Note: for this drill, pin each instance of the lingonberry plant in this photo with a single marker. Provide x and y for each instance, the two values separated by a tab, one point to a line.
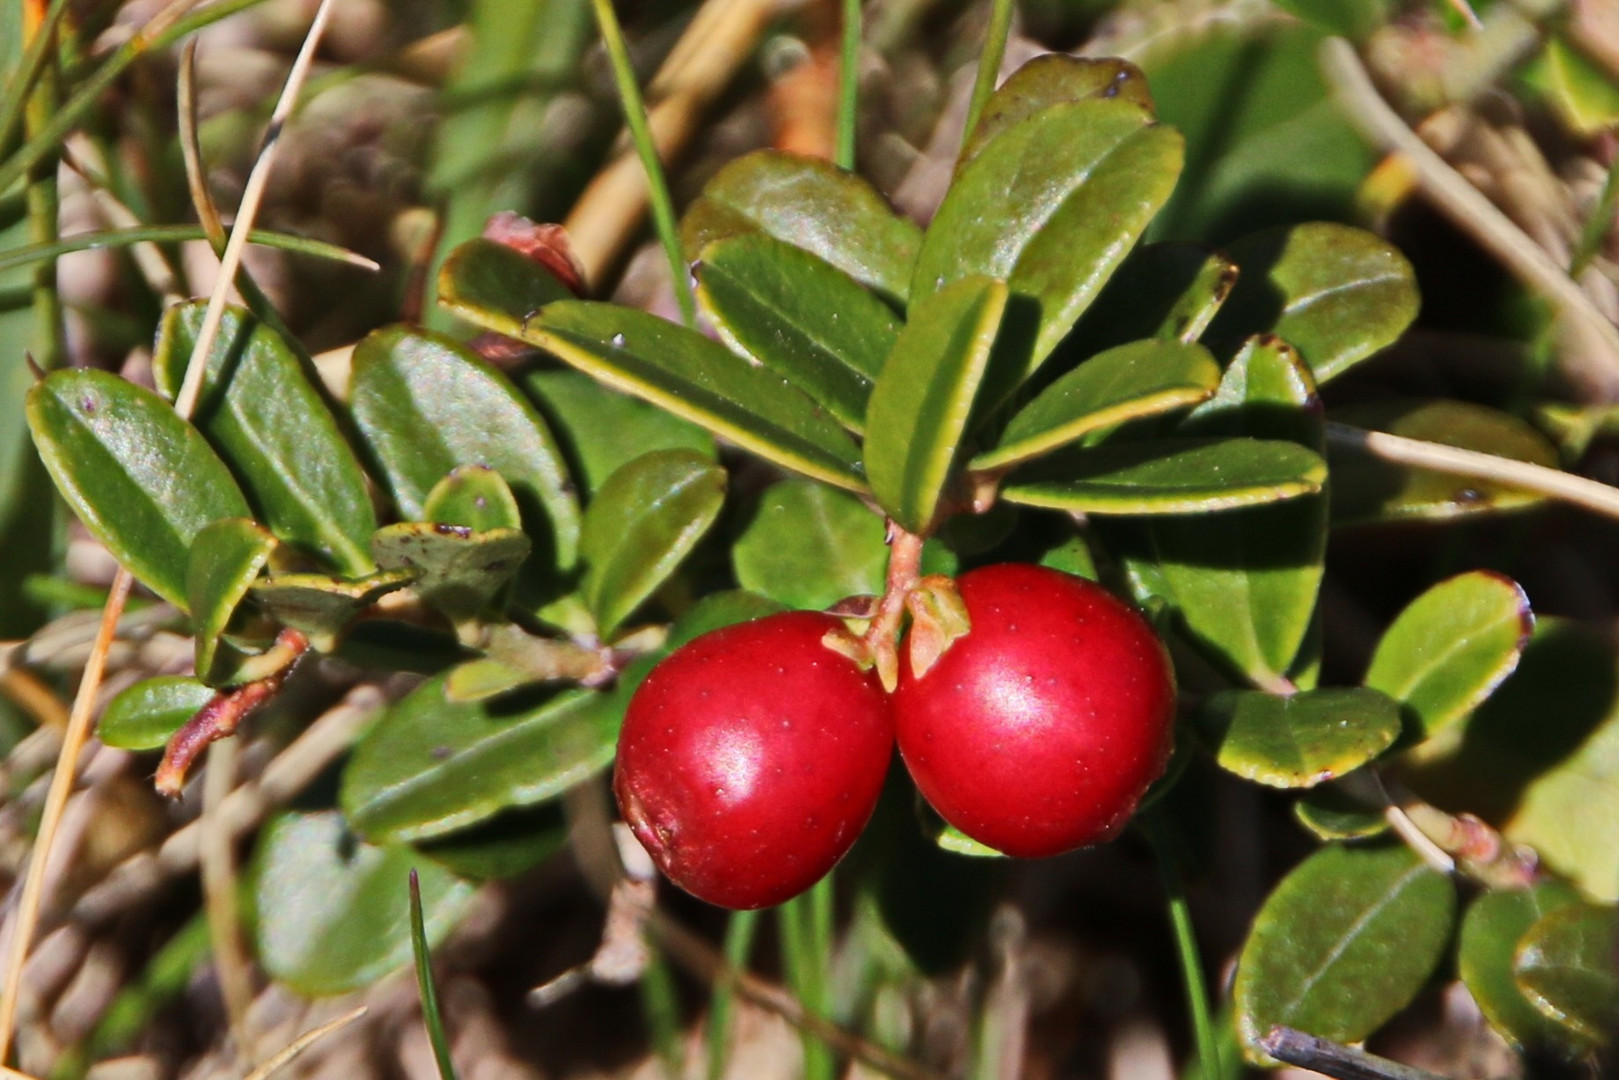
918	483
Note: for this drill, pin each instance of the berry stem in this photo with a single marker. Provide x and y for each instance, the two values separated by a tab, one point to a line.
904	568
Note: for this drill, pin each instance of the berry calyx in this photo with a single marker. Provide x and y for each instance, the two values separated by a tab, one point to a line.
1039	729
751	758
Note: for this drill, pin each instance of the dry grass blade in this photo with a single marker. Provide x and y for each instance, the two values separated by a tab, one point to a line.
191	146
50	821
302	1043
1460	201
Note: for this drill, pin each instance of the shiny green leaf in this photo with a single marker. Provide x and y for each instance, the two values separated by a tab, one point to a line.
431	766
487	275
1170	291
1053	225
1336	293
332	912
1568	967
322	606
718	610
810	546
810	204
1366	488
1451	647
1299	740
225	559
260	408
1539	760
144	716
602	430
1494	925
1243	584
474	497
644	521
1342	944
1143	378
427	405
142	480
693	377
457	571
923	400
1054	79
799	316
1169	476
1329	814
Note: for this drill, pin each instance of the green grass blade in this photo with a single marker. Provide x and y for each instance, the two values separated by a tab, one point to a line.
169	234
431	1015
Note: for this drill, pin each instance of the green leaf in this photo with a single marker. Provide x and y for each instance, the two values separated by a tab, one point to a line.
1566	967
144	716
1170	291
1342	944
506	845
321	606
1329	814
1052	225
716	611
1053	79
426	405
1539	760
260	408
1336	293
1578	87
1169	476
117	452
474	497
1451	647
809	546
457	571
1143	378
225	559
601	430
810	204
1365	488
485	275
700	380
1299	740
431	766
333	912
644	521
1494	925
1243	584
923	400
799	316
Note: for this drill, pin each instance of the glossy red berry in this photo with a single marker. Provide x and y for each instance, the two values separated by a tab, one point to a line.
752	757
1039	729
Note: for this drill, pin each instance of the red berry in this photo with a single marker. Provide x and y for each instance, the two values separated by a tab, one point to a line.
1040	728
752	757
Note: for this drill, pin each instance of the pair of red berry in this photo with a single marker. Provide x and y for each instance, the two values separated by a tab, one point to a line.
752	757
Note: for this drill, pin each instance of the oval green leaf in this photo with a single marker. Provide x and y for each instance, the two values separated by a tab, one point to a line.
144	716
333	913
644	521
322	606
116	451
718	610
474	497
1568	967
506	845
426	405
1329	814
1053	226
813	205
923	400
693	377
1342	944
1054	79
1299	740
1451	647
260	408
1494	925
602	430
1169	476
483	274
809	546
1367	489
225	559
1337	293
799	316
431	766
1143	378
456	571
